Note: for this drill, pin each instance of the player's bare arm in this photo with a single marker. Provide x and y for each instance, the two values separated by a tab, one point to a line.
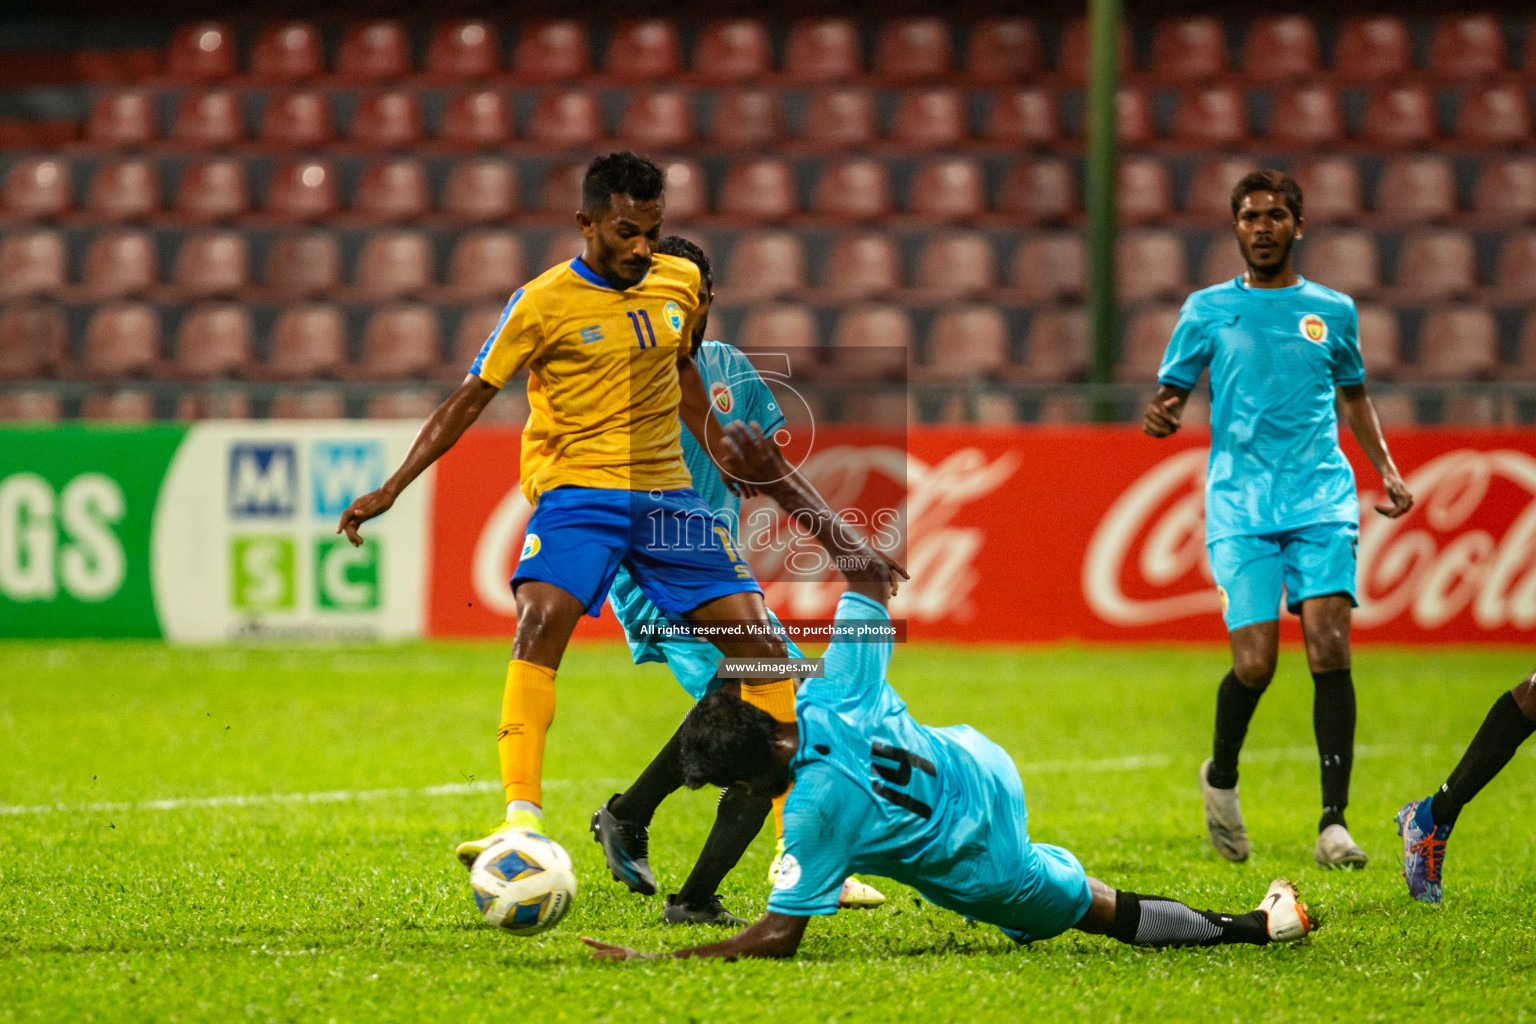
774	937
1164	413
693	409
1360	414
441	431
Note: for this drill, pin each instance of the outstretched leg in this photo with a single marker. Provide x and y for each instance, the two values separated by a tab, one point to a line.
1255	648
1160	921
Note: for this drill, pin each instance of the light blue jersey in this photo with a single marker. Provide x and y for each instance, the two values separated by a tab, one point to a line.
736	392
1275	355
940	809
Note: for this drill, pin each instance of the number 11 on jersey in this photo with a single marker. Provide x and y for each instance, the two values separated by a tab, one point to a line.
636	318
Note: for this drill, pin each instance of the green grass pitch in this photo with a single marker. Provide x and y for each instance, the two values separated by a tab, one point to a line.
349	906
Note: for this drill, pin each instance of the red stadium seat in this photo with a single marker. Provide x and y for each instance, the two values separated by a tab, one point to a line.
215	340
1072	54
288	52
307	342
1458	343
1002	51
386	120
1514	277
1213	117
957	264
124	190
393	265
30	406
401	343
373	51
210	264
308	405
1146	339
33	340
125	405
1150	265
746	119
1040	192
1145	191
121	120
765	265
1496	115
464	49
733	51
1306	117
643	51
1524	367
1437	265
1332	189
396	190
201	52
414	404
302	266
822	50
217	403
477	120
32	262
475	327
553	51
1345	261
1417	189
760	191
119	264
481	191
657	119
122	340
1467	46
913	49
1371	48
1051	268
1188	49
1210	191
862	266
967	343
777	328
1399	117
1380	343
209	120
566	120
853	190
302	190
930	119
687	190
840	118
1135	124
486	265
297	120
1505	190
872	342
948	189
212	190
1023	117
1221	262
1280	47
561	192
1056	347
38	188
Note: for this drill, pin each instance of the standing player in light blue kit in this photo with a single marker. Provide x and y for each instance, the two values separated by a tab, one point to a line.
737	393
1280	503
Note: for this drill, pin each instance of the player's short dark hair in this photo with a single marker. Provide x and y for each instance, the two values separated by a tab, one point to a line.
677	245
1269	180
725	740
625	174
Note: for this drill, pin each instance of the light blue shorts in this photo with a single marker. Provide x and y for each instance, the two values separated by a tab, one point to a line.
1059	895
1309	561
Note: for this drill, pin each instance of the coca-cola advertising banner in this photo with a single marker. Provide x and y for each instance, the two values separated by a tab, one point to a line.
1054	534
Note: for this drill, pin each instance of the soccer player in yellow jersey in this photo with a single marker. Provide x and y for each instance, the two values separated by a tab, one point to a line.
606	338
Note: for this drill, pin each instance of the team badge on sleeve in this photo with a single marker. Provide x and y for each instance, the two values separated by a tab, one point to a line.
1314	328
720	394
674	314
530	546
789	873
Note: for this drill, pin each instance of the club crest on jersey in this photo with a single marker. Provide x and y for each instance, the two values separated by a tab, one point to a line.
530	546
720	394
1313	327
674	314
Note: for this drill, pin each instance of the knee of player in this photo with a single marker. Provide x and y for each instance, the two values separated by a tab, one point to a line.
1254	670
1525	697
1328	648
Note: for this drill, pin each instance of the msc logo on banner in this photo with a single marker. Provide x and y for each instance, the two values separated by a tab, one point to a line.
263	481
264	574
342	471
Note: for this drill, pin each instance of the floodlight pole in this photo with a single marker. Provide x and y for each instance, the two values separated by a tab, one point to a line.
1103	315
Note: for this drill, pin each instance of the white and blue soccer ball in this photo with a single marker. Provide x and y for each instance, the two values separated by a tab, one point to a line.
523	883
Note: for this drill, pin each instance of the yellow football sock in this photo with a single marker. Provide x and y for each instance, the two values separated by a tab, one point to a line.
527	709
778	699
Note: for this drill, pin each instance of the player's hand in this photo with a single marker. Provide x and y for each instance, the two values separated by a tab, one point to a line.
362	510
607	951
897	569
753	456
1397	494
1161	417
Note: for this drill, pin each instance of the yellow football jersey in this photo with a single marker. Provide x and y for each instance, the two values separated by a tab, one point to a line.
602	384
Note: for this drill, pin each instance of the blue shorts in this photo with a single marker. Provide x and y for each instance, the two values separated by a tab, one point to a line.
1058	899
1309	561
670	541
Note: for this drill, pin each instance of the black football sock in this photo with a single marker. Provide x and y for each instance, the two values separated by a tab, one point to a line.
1159	921
1333	720
1235	704
1497	739
661	778
738	819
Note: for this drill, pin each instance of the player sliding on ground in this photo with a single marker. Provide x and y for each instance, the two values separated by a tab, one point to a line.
1281	511
606	338
621	826
941	810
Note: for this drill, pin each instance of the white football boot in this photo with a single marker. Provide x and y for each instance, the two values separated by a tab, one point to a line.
1336	848
1286	914
1224	819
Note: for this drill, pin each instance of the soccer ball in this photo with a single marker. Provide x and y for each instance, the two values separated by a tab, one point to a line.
523	883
